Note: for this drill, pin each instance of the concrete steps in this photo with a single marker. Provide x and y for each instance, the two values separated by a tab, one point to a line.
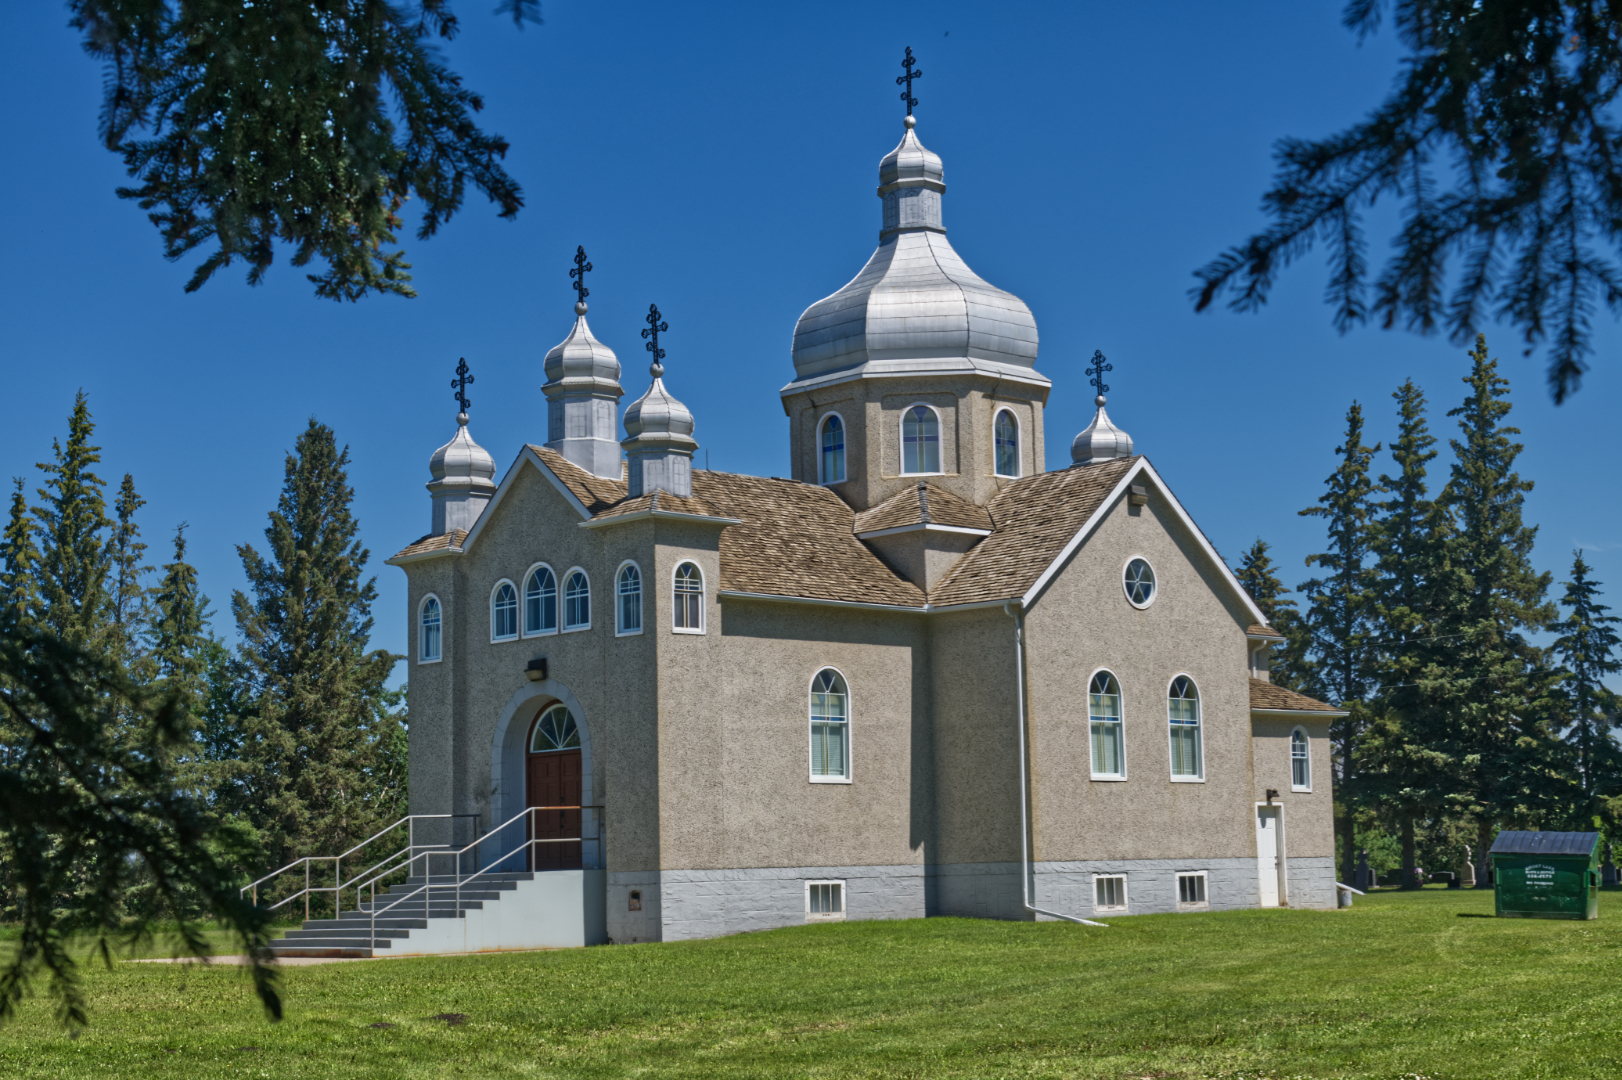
404	908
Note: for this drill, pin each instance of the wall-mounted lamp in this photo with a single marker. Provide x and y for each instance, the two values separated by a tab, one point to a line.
535	670
1138	495
1272	793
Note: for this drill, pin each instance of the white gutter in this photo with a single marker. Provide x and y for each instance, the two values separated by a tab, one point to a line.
1024	786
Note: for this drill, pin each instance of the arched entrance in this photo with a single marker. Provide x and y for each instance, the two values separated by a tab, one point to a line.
552	779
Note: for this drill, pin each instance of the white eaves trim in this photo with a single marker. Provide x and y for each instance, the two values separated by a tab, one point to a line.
662	515
922	527
919	609
530	456
1300	712
1092	523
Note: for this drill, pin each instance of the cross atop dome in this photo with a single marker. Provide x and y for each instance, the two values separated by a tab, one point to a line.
463	377
578	276
907	63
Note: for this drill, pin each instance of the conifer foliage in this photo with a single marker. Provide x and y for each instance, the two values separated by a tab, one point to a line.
1587	650
318	693
245	126
1288	662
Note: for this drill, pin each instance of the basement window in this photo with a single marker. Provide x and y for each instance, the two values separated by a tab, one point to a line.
1109	892
1191	891
824	901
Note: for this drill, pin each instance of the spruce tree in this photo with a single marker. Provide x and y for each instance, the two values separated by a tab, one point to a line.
1340	632
1493	751
1287	664
179	619
125	551
1587	650
73	564
317	691
19	562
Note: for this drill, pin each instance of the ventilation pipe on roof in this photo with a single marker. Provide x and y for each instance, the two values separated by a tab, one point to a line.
1024	782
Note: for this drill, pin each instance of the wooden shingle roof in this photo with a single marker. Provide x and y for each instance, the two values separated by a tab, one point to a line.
431	542
923	504
1265	697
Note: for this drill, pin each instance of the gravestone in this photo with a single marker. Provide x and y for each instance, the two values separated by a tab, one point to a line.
1362	876
1608	867
1467	875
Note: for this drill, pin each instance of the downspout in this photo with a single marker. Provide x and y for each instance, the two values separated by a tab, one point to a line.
1024	781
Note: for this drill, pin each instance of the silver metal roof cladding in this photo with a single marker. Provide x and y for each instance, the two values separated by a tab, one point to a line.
916	303
1545	843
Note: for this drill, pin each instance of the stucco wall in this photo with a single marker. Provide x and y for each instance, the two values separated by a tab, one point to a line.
1308	816
1193	627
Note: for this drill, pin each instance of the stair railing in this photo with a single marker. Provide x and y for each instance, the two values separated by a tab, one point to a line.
427	887
411	852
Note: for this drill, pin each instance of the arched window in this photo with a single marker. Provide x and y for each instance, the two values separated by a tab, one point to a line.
1300	761
629	589
504	612
1005	433
1104	722
688	600
555	730
832	468
830	727
920	441
576	601
541	602
428	636
1183	711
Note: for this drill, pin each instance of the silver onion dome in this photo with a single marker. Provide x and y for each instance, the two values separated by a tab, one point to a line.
581	362
463	480
1101	440
657	419
916	307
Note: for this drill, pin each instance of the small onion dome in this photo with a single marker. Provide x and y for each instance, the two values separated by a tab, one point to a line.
657	420
1101	441
911	165
582	363
462	463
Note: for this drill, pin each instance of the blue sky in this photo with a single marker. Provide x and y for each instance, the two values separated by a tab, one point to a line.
721	161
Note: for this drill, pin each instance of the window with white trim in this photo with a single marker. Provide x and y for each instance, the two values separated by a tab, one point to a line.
687	600
1109	892
504	612
629	590
576	601
1104	727
540	602
1139	582
1183	715
830	727
832	456
1300	761
920	441
824	901
555	730
429	632
1005	436
1191	890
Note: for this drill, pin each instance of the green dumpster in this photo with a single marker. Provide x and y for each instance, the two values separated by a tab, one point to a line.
1546	875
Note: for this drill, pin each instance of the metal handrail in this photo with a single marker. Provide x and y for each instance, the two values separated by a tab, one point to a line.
308	861
428	884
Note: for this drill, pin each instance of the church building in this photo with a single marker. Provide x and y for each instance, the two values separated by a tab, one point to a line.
922	675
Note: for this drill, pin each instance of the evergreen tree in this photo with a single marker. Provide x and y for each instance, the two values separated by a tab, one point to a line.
179	620
318	692
124	554
1287	663
1339	621
1483	725
73	564
19	562
1587	651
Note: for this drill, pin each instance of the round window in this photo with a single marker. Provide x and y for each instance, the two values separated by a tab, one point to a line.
1140	583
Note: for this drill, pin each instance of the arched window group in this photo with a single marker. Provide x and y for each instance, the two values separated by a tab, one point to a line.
552	603
920	440
831	462
1107	737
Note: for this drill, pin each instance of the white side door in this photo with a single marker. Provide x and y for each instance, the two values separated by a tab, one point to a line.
1267	853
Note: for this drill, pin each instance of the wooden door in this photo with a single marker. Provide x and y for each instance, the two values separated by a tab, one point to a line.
1266	854
554	780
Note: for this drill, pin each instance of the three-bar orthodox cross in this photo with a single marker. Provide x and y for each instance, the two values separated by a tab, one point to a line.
460	384
655	328
906	64
578	274
1100	365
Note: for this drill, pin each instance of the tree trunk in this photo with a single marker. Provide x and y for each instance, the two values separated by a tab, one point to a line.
1483	842
1348	841
1409	880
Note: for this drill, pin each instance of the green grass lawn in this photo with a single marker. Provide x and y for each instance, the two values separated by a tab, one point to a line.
1402	985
